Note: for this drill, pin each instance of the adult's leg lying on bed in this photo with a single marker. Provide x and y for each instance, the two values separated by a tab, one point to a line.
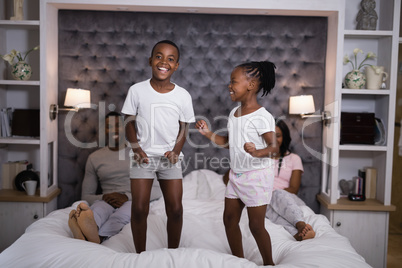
87	224
172	194
284	206
141	192
116	221
231	219
74	227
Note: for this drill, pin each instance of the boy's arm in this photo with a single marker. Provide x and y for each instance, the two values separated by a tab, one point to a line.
173	155
131	135
222	141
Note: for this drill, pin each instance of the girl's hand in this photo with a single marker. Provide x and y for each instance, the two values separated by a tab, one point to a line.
140	156
249	147
172	156
202	127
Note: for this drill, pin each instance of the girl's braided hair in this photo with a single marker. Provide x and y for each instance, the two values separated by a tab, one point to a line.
263	71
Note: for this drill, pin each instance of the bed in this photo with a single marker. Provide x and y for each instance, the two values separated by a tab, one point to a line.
49	243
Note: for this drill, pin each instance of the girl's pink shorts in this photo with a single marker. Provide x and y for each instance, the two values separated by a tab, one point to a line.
253	188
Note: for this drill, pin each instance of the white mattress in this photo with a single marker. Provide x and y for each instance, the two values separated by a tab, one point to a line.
49	243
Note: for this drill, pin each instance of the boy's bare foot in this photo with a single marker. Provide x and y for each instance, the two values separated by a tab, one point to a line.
87	224
73	224
305	231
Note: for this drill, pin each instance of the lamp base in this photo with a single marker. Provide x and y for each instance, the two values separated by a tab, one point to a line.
53	110
325	116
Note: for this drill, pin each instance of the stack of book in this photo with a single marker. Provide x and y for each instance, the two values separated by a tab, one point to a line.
366	182
6	115
371	182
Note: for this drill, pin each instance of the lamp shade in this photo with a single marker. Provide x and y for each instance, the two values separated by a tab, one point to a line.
78	98
303	104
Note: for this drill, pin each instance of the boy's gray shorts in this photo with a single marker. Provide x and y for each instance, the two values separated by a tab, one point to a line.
158	167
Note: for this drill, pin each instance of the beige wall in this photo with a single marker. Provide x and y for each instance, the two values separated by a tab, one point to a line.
396	198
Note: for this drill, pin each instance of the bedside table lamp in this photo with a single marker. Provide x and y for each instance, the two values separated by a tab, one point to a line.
304	106
76	98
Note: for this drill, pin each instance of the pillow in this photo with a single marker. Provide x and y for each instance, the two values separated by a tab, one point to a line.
203	184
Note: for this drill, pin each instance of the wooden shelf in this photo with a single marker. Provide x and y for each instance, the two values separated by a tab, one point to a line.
20	140
20	23
346	204
10	195
19	83
362	147
367	34
365	91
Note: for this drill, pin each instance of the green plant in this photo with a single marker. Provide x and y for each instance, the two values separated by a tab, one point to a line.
356	51
16	54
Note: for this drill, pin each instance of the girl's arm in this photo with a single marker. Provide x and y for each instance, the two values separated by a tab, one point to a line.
173	155
222	141
131	134
295	181
270	151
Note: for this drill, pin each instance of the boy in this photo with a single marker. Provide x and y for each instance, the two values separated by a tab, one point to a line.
158	115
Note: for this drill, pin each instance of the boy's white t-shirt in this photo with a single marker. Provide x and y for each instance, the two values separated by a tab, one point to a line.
249	128
158	115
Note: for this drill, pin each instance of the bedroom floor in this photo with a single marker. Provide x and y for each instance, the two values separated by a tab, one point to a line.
394	257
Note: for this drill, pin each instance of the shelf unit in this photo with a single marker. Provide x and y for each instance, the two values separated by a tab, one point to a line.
372	216
17	209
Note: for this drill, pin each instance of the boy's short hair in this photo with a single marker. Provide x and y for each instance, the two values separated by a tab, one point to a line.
169	43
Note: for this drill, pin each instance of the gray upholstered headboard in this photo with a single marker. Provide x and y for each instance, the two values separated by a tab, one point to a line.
107	52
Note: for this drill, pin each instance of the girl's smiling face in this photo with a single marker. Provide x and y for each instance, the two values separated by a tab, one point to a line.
164	61
239	84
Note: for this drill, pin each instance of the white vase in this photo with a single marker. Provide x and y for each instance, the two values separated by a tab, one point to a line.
355	79
375	76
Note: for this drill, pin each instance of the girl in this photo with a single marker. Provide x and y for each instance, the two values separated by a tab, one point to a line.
251	141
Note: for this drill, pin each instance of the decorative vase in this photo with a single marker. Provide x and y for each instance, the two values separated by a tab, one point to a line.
355	79
21	71
375	76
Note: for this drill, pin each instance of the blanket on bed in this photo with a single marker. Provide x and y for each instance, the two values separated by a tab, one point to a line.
49	243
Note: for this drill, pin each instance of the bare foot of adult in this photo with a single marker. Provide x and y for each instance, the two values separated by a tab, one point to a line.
73	224
308	232
305	231
87	224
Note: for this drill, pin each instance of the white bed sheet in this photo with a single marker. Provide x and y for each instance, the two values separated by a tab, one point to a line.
49	243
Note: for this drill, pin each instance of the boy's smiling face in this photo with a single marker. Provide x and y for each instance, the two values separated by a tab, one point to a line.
164	61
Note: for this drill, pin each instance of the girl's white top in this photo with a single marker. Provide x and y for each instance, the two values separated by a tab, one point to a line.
249	128
158	115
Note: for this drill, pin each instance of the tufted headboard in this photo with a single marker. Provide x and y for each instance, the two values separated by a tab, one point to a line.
107	52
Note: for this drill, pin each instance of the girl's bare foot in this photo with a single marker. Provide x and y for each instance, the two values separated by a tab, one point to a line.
87	224
73	224
305	231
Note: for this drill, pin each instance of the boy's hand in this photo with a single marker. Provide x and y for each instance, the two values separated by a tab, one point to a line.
249	147
172	156
202	127
140	156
